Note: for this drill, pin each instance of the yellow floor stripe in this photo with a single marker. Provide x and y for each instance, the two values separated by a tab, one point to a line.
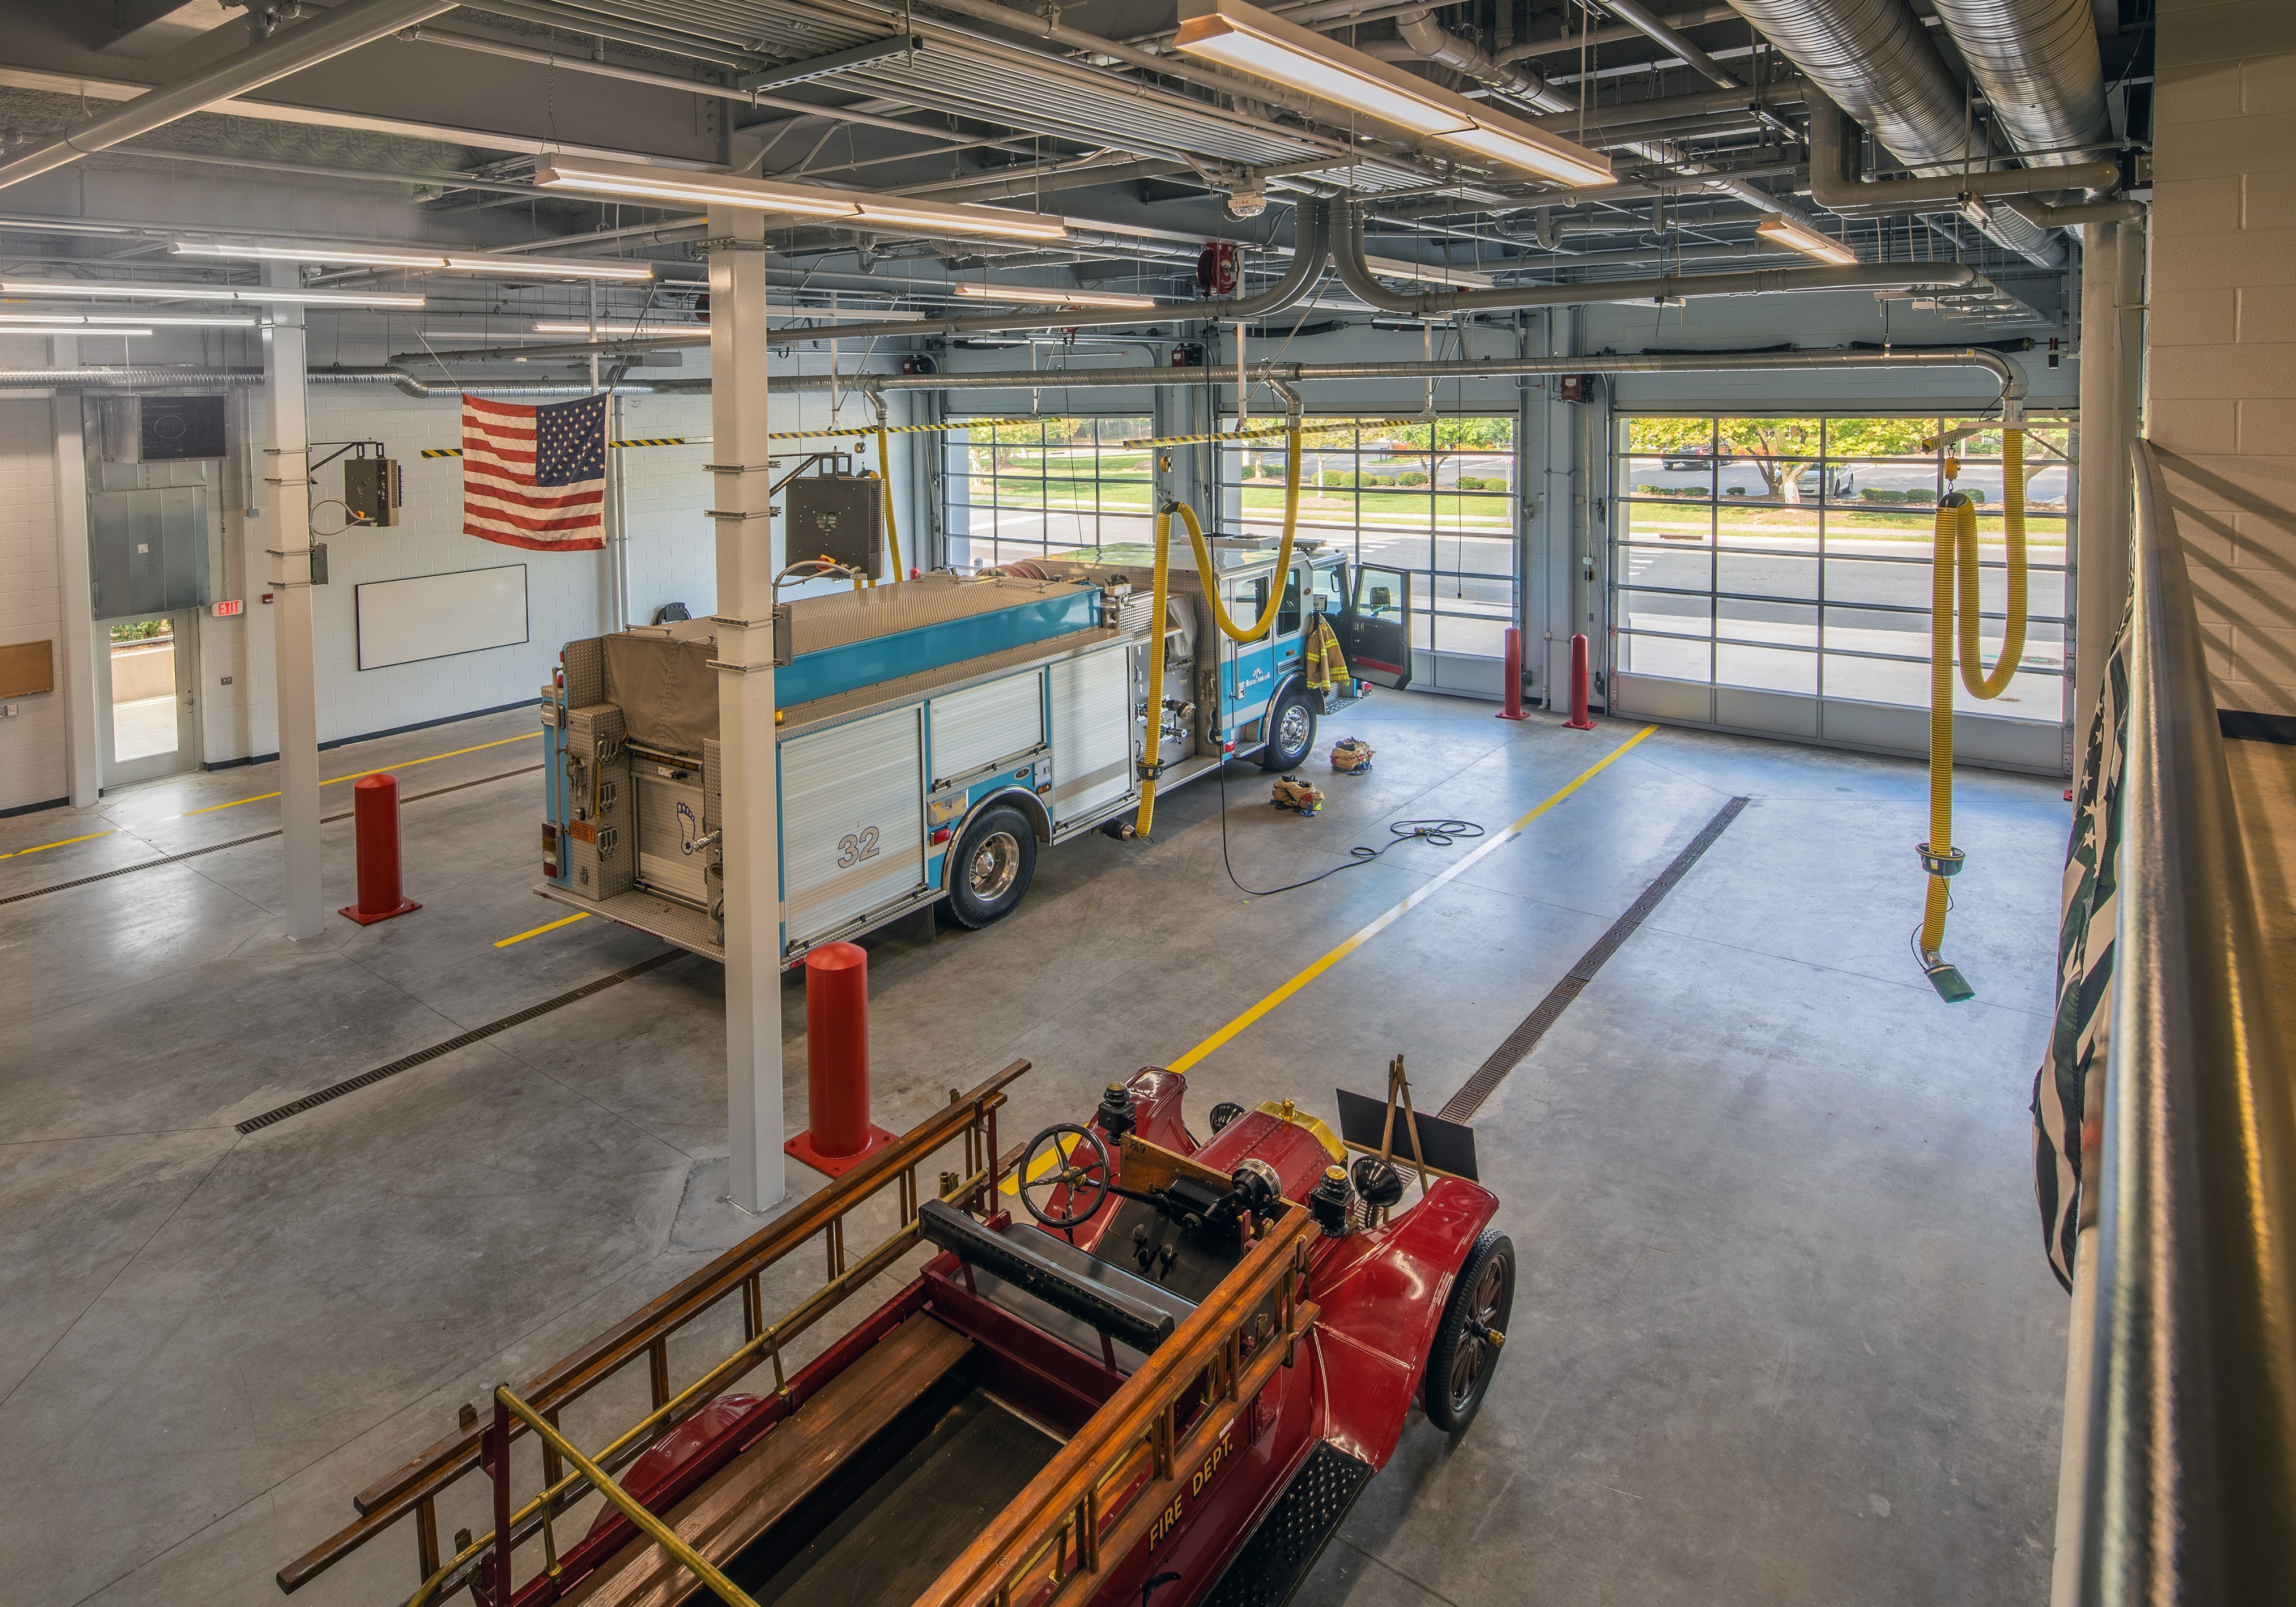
548	926
355	775
66	843
1389	917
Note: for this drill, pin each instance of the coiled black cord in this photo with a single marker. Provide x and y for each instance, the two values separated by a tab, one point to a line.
1442	834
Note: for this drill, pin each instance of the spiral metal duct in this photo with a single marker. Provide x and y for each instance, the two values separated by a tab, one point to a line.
2038	64
1877	63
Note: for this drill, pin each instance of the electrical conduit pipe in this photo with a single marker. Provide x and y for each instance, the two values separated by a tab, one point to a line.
1953	591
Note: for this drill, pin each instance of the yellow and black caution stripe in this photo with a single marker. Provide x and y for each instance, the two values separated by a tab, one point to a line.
789	435
863	430
1308	428
652	440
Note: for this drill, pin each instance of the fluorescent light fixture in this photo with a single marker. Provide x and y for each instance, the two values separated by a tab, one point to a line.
203	292
640	181
1035	296
1806	240
66	328
96	323
431	260
1427	273
1266	46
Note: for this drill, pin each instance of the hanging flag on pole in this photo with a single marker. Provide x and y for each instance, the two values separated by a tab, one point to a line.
536	477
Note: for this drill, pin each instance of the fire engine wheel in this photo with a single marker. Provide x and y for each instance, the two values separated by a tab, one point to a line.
1292	732
990	870
1467	1350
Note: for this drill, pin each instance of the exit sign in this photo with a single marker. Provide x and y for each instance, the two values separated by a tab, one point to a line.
225	610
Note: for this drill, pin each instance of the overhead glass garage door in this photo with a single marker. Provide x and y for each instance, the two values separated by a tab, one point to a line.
1773	575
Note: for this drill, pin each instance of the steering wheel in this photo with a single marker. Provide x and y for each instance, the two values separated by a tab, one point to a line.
1077	1159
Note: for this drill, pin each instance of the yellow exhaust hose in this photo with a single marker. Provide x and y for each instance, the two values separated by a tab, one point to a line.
1228	628
1955	601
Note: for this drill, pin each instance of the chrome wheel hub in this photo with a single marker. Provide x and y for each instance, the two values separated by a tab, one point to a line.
1294	730
995	865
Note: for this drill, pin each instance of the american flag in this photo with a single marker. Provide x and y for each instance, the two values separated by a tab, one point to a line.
536	477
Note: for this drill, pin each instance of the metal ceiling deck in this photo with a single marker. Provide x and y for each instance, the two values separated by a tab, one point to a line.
965	73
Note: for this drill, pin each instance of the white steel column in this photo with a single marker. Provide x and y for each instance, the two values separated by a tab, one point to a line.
1569	582
749	793
2107	420
296	672
75	589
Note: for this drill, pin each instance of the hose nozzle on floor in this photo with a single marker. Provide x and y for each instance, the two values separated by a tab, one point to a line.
1942	863
1944	975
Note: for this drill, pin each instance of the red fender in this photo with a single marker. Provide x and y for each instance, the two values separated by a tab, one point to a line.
1382	1292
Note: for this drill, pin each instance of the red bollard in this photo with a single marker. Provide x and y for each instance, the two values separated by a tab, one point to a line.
837	1062
1579	721
1513	674
374	800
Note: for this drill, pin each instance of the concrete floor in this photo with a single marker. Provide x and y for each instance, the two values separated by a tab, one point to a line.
1784	1332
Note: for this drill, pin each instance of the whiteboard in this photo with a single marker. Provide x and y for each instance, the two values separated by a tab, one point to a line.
437	616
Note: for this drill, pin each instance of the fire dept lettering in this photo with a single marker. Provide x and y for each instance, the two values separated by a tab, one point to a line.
1169	1517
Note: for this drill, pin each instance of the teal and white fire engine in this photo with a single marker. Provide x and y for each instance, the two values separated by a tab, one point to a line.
935	733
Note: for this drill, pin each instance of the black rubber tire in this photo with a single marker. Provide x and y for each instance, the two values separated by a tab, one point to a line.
1275	755
1001	830
1460	1364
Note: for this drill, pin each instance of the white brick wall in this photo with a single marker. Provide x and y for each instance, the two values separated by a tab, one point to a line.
32	744
672	559
2222	381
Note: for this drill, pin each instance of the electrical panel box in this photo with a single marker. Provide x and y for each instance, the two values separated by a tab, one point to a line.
839	517
147	551
162	429
371	490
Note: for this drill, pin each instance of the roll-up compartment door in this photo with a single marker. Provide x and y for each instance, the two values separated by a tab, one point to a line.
1092	731
983	725
853	832
669	830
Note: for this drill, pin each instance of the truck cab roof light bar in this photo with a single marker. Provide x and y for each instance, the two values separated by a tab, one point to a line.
431	260
640	181
1249	40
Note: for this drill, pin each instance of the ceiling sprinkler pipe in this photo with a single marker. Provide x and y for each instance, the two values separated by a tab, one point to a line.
89	377
1835	186
1311	227
1355	274
2011	376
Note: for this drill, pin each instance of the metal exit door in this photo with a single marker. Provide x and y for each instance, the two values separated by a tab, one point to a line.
147	705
